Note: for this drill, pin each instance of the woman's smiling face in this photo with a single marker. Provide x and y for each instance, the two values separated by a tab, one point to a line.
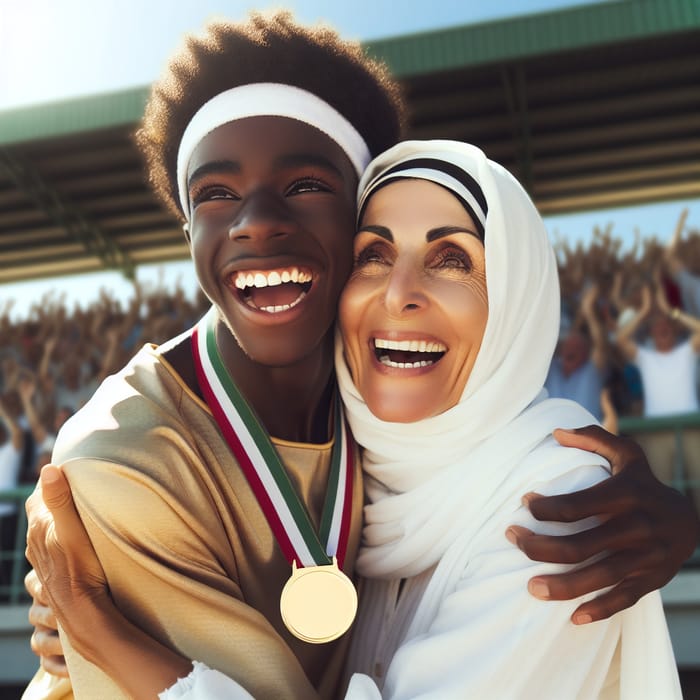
414	310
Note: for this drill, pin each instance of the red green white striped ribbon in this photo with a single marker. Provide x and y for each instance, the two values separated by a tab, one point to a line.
263	468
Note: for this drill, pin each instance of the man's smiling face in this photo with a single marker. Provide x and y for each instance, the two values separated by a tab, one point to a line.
272	204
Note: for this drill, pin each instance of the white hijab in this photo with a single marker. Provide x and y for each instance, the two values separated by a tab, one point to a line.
442	477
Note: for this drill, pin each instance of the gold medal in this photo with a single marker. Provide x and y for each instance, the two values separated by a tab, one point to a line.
318	603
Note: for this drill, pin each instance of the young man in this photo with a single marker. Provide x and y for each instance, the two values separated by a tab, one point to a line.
265	182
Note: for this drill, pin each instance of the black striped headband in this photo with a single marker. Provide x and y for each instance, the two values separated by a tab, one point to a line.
442	172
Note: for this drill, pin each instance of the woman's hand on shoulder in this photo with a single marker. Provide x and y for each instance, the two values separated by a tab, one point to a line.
58	547
648	530
45	642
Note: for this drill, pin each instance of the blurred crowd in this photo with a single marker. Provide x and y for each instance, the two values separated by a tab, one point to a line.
629	342
626	315
52	361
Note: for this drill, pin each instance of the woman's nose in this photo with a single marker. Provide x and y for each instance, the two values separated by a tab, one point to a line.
405	291
260	218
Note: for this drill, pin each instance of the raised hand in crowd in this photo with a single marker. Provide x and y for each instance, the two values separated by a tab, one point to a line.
688	321
610	420
672	255
5	311
9	414
599	341
44	374
27	389
625	335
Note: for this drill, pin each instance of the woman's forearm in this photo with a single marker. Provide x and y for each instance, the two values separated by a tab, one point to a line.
140	665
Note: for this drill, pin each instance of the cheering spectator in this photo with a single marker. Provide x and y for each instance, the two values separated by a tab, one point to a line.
683	263
11	448
668	368
44	428
11	453
580	363
669	375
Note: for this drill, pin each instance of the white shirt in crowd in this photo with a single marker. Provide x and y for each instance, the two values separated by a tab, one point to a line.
669	380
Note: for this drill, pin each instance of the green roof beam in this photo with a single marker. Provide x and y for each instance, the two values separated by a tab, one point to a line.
47	200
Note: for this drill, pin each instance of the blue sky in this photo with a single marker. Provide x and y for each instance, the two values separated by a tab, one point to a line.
60	48
53	49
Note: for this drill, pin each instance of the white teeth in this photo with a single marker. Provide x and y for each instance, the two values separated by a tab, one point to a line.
384	359
409	345
282	307
271	279
419	346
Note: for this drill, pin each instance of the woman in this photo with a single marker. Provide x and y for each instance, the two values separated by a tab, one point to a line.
442	490
452	304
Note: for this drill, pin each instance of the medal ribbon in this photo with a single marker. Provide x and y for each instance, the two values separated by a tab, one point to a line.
252	448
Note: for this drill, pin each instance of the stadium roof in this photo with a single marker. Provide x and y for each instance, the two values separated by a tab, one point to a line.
591	107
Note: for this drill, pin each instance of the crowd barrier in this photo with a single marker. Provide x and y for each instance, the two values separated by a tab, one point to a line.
13	531
672	446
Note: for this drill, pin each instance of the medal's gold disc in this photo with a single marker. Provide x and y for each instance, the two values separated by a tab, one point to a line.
318	603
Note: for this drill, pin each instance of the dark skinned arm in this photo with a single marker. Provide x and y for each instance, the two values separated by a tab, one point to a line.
648	531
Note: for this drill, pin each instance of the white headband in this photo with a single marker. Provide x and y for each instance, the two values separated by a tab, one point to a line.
272	100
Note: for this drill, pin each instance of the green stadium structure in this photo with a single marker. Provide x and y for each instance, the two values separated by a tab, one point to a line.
591	107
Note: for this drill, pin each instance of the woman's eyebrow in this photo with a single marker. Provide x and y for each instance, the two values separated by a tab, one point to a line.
381	231
214	166
441	231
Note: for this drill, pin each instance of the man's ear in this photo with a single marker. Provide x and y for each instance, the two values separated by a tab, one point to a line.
186	231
